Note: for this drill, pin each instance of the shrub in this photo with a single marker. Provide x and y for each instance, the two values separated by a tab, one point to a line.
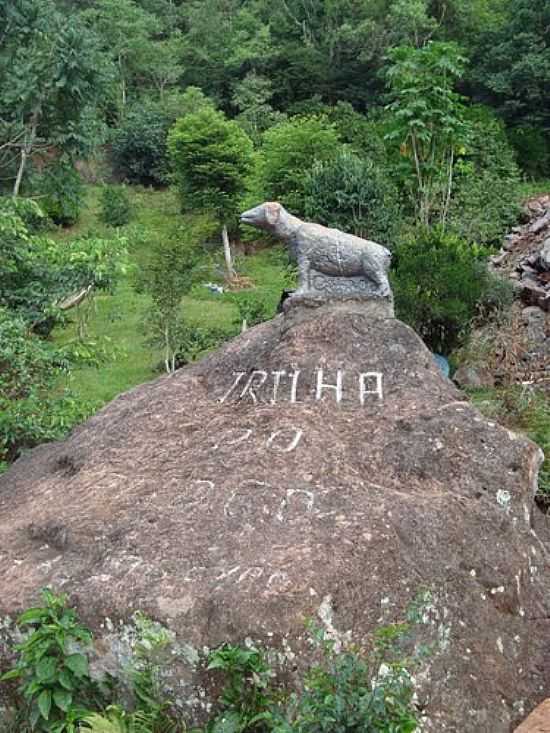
27	210
139	147
30	411
532	146
62	191
253	307
351	194
52	668
289	151
438	282
115	206
485	201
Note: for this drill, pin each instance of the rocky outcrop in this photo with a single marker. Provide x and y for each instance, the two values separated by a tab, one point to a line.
521	350
318	466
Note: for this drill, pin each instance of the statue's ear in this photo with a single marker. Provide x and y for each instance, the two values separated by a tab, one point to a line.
272	213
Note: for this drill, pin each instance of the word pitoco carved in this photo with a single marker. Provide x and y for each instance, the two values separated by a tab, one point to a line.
331	263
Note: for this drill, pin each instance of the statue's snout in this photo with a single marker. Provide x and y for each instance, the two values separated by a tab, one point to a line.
252	216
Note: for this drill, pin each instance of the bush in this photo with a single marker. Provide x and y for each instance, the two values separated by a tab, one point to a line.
30	411
289	151
253	307
115	206
438	281
62	191
27	210
485	203
351	194
532	146
139	147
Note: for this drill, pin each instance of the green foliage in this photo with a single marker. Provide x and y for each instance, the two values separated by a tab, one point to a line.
246	696
428	123
27	210
61	190
115	206
30	410
211	158
438	282
167	275
350	692
289	151
513	63
353	195
253	306
138	147
53	667
51	73
485	203
532	146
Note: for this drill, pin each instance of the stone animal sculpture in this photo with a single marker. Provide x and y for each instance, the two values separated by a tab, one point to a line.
331	263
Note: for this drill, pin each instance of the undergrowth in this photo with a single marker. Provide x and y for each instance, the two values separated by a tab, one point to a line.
347	690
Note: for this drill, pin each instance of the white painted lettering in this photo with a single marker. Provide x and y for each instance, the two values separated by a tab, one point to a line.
248	386
367	378
294	385
291	446
276	382
238	378
321	386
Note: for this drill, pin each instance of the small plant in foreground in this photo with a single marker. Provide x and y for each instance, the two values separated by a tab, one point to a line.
53	668
247	695
115	206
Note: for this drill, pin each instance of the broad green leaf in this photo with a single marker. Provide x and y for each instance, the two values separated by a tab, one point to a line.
45	669
45	703
78	664
63	699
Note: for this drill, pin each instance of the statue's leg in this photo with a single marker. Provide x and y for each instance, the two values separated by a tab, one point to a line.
304	285
375	272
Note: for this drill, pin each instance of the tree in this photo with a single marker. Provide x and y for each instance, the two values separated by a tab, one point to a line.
251	97
351	194
167	275
428	122
289	151
51	71
212	158
512	64
126	31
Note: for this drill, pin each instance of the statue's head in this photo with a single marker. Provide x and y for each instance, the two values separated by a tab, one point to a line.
265	216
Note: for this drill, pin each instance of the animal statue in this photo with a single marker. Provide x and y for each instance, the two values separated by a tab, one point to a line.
330	262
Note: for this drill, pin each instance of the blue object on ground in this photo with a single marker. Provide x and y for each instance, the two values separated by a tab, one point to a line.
442	364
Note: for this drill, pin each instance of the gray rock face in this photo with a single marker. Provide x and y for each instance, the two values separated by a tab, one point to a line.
545	255
318	466
332	265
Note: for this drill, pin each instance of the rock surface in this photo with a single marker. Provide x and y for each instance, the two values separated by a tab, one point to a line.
317	466
538	721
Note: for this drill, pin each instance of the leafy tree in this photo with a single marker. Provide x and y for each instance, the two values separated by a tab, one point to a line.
138	147
51	71
429	124
438	282
212	158
251	97
167	275
126	31
351	194
289	151
512	63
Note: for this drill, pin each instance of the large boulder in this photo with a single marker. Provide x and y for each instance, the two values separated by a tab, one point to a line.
319	465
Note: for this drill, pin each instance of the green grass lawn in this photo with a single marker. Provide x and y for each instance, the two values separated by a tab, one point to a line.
118	321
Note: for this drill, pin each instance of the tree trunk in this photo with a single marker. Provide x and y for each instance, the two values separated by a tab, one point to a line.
227	254
26	149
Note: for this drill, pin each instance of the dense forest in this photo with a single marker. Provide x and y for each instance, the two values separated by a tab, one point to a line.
132	133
